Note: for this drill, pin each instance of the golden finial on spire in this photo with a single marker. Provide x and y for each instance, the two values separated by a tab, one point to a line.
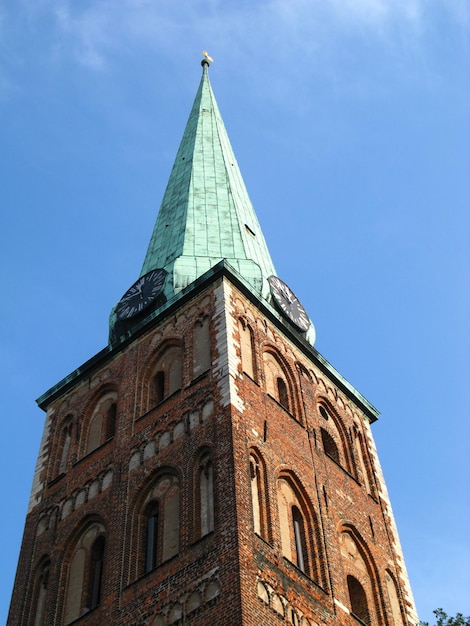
207	57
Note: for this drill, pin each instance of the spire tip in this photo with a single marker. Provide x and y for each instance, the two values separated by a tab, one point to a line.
207	60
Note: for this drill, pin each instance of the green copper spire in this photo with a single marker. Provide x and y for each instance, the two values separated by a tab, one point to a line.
206	214
205	217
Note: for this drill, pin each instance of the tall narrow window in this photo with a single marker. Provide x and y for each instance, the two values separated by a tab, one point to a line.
206	495
298	529
247	349
282	394
261	519
111	421
96	572
364	463
151	537
394	601
202	347
256	494
85	573
279	381
157	538
40	594
159	386
102	422
166	376
329	445
358	600
300	542
64	446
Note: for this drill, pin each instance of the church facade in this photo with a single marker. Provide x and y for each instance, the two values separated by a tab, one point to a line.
209	466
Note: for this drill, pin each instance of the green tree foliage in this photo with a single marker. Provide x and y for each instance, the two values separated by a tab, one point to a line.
444	620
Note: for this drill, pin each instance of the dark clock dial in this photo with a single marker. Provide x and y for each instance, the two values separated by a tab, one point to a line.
288	303
143	292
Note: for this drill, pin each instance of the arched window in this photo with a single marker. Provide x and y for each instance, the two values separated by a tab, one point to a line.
358	600
110	421
40	593
159	525
255	481
152	539
167	375
96	571
102	423
364	462
394	600
202	347
247	349
278	383
159	384
365	593
282	394
206	495
299	534
329	445
63	450
85	573
258	497
336	439
300	539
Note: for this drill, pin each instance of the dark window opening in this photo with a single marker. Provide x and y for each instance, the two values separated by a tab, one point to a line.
300	542
323	412
111	421
358	600
329	446
283	396
159	384
151	537
96	571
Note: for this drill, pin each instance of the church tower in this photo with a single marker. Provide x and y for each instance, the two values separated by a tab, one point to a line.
209	466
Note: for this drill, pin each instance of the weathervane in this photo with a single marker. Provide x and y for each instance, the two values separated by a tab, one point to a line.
207	59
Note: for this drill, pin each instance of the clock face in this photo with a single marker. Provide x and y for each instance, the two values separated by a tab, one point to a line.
288	303
143	292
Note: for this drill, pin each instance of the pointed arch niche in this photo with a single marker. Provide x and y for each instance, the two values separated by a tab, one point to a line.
101	425
393	596
279	381
155	524
204	510
165	373
361	578
85	572
62	450
335	441
364	462
300	535
247	348
40	599
259	496
201	346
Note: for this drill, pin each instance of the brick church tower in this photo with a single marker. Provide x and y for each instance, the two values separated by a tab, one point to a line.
209	466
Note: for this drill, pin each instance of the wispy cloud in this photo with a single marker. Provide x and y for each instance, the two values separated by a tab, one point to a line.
91	32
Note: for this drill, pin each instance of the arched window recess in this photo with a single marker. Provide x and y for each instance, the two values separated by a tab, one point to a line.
280	381
259	496
335	438
165	374
247	349
100	422
85	573
301	542
155	522
204	496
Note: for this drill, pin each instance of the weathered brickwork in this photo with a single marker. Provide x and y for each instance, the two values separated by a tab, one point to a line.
269	505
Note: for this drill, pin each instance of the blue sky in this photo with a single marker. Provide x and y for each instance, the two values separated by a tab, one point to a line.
350	121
